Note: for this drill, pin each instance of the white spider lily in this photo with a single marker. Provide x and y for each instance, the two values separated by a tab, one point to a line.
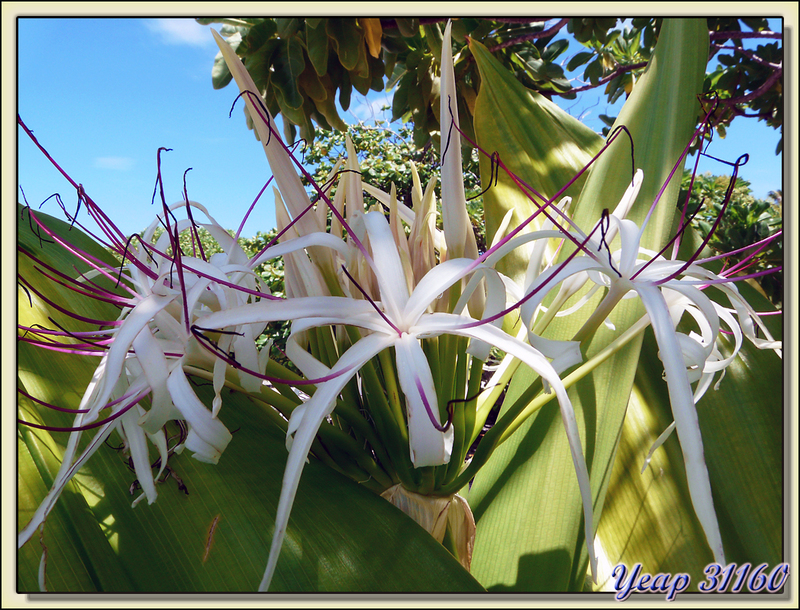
667	289
153	343
399	321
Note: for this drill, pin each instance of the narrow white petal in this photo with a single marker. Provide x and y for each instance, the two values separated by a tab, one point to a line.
137	443
388	267
288	309
135	321
685	414
213	434
156	370
435	282
316	410
455	220
283	168
429	446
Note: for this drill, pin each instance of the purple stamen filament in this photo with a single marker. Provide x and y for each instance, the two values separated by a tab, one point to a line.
373	303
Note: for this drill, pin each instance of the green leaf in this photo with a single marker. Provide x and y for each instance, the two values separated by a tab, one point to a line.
659	114
556	48
526	500
346	38
401	94
220	75
216	538
257	37
317	45
537	140
288	66
287	27
258	64
327	107
312	85
408	27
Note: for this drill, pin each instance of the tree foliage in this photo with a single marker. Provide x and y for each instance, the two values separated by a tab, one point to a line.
746	221
303	65
386	154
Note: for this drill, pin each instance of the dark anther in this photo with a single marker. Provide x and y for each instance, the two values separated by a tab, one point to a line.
613	135
81	199
494	173
64	330
27	330
125	255
450	404
324	186
158	178
30	300
183	432
35	230
370	301
70	217
120	448
605	222
303	151
257	97
452	123
221	332
181	485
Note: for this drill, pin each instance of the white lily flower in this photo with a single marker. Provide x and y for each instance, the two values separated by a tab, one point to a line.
399	321
667	288
152	342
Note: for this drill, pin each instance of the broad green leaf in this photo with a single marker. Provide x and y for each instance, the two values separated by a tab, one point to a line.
256	37
220	75
287	68
526	499
536	140
346	38
259	64
327	107
216	537
312	85
660	115
317	45
287	27
579	59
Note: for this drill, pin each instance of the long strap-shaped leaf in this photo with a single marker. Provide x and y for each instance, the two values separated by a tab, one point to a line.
526	500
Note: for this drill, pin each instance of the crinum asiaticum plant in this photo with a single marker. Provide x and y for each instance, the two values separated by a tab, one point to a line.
392	322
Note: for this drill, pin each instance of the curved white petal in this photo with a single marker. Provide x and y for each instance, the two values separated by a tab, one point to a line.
318	407
683	409
388	267
340	308
137	444
135	321
433	284
429	446
208	437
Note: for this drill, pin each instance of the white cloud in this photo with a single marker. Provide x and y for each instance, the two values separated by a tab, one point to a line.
122	164
370	108
181	31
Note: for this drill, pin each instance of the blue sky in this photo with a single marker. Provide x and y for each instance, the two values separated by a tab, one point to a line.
102	95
